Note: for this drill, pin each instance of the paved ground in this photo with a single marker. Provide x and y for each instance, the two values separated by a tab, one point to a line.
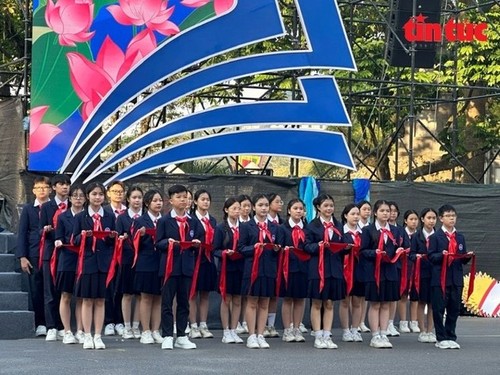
479	338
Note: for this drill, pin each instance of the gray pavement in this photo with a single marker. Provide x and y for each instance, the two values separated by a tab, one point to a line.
479	338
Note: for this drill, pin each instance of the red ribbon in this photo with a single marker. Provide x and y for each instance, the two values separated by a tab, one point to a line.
222	282
350	260
299	253
206	248
383	257
41	249
448	259
263	229
96	235
137	241
60	209
258	250
416	276
115	260
334	247
209	237
169	265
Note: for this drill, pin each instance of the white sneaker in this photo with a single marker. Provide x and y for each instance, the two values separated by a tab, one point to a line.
128	334
227	337
356	336
51	335
299	337
239	329
445	344
377	342
302	328
168	343
157	337
453	344
262	342
391	330
80	336
252	342
363	328
329	343
136	332
119	328
40	331
183	342
423	337
109	330
403	326
194	333
69	338
205	333
273	332
387	343
98	344
60	334
347	336
266	332
432	337
244	325
288	335
237	339
186	331
88	341
147	338
319	343
414	326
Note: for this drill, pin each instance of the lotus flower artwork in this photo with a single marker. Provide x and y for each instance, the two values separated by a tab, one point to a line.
220	6
40	133
71	20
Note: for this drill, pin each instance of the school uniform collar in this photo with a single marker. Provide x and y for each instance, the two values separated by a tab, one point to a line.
378	226
347	229
233	226
153	218
37	203
200	216
408	232
257	221
361	225
323	221
73	213
427	234
447	232
174	215
91	212
58	201
131	213
271	219
244	221
293	224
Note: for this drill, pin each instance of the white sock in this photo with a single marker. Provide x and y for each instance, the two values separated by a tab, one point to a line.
194	325
127	325
326	334
271	318
318	334
346	330
135	324
203	325
375	333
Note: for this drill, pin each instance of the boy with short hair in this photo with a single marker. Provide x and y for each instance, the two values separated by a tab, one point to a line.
48	221
444	246
28	242
176	226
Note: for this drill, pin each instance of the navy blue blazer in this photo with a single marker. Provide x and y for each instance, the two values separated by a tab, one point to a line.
419	246
455	273
46	218
223	240
166	228
295	265
213	222
148	258
268	262
28	235
124	225
67	259
369	244
333	263
100	260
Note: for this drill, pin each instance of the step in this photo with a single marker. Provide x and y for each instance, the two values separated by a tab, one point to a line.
13	301
17	324
8	242
10	282
8	262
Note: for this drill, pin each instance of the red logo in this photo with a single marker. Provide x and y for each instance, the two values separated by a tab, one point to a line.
417	30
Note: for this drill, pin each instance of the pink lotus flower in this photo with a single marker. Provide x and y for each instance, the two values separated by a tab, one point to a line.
152	13
71	19
92	81
220	6
40	134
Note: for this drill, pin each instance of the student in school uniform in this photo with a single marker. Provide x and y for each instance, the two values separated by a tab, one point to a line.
446	243
422	294
365	212
356	298
48	222
207	276
146	280
66	265
125	282
113	319
294	289
94	261
177	266
246	210
226	240
326	269
378	238
260	268
28	249
410	224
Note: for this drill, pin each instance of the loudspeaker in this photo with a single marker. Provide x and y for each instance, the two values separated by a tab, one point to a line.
400	13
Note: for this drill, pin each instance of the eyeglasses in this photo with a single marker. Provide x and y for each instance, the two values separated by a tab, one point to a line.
78	196
116	191
41	188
